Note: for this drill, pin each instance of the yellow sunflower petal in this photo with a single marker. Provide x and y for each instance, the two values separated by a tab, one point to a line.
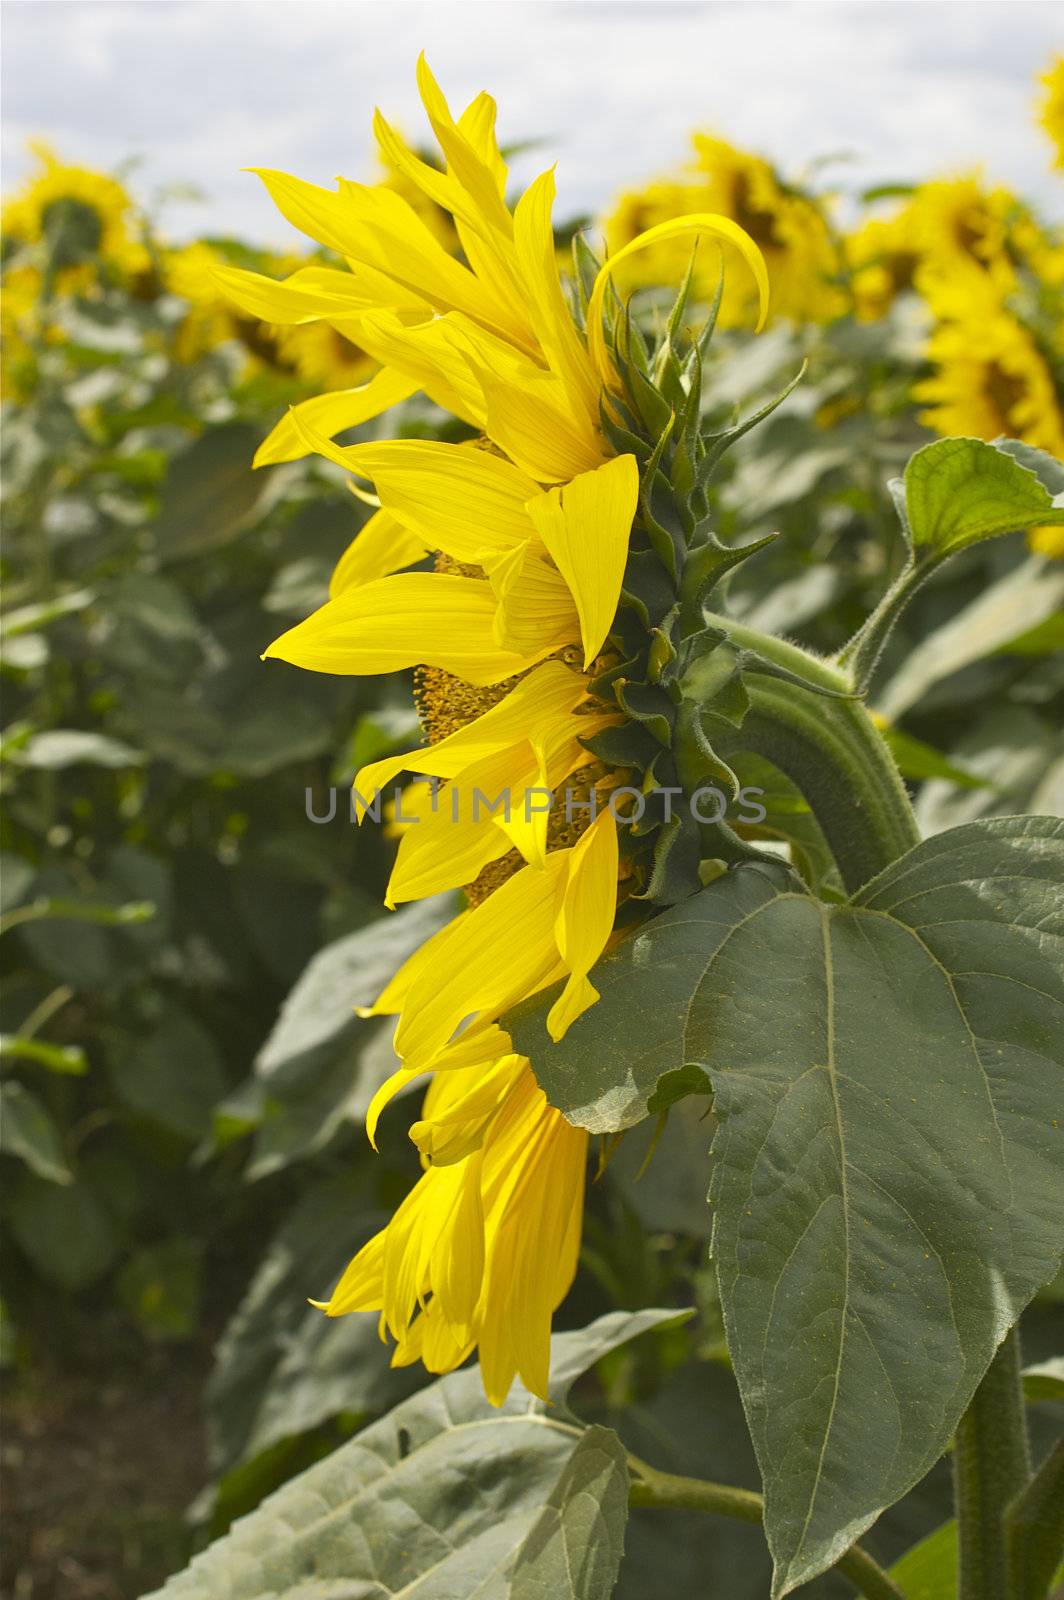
404	620
381	547
585	526
291	300
330	414
557	333
585	919
467	977
457	498
548	693
702	222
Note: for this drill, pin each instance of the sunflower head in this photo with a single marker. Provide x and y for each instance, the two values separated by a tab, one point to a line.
81	217
789	226
1051	109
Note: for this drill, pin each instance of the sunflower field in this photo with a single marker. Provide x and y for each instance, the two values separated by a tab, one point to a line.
515	724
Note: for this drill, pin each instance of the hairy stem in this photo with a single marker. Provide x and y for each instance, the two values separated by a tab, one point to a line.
1034	1528
830	748
991	1467
649	1487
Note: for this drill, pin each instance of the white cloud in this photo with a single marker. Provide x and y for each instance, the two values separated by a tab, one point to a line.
199	91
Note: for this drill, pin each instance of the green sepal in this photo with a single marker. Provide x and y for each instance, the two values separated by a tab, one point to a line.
649	705
697	760
586	266
646	587
627	745
707	564
661	655
653	407
622	439
717	443
674	872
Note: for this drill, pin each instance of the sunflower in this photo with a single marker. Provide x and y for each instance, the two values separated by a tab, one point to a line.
883	255
20	328
516	639
990	379
788	225
112	235
1051	110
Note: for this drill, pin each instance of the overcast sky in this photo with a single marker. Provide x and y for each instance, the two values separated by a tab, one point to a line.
200	90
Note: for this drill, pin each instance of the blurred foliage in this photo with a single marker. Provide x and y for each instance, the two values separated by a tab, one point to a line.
183	1078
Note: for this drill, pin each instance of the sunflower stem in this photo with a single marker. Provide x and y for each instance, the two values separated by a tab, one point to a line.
824	740
649	1487
991	1468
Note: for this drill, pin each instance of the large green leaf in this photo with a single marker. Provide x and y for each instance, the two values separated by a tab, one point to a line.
211	493
444	1497
574	1549
282	1366
321	1064
28	1132
959	491
887	1180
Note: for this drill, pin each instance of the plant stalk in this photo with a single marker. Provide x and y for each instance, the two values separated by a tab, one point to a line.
991	1467
830	748
649	1487
1034	1528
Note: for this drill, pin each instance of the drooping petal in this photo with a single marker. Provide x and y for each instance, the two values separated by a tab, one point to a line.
549	692
535	604
494	955
527	411
585	918
701	222
585	527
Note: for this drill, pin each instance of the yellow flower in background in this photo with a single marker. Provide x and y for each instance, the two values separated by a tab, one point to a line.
883	255
1047	541
120	245
1051	110
529	529
188	273
990	379
788	226
19	327
320	355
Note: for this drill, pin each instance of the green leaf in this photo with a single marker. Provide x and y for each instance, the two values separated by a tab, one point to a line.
283	1367
574	1549
885	1178
443	1497
322	1064
16	875
211	493
28	1132
1045	1381
919	760
63	1230
959	491
172	1076
929	1571
1046	468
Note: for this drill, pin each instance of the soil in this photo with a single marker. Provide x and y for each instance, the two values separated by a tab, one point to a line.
99	1462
